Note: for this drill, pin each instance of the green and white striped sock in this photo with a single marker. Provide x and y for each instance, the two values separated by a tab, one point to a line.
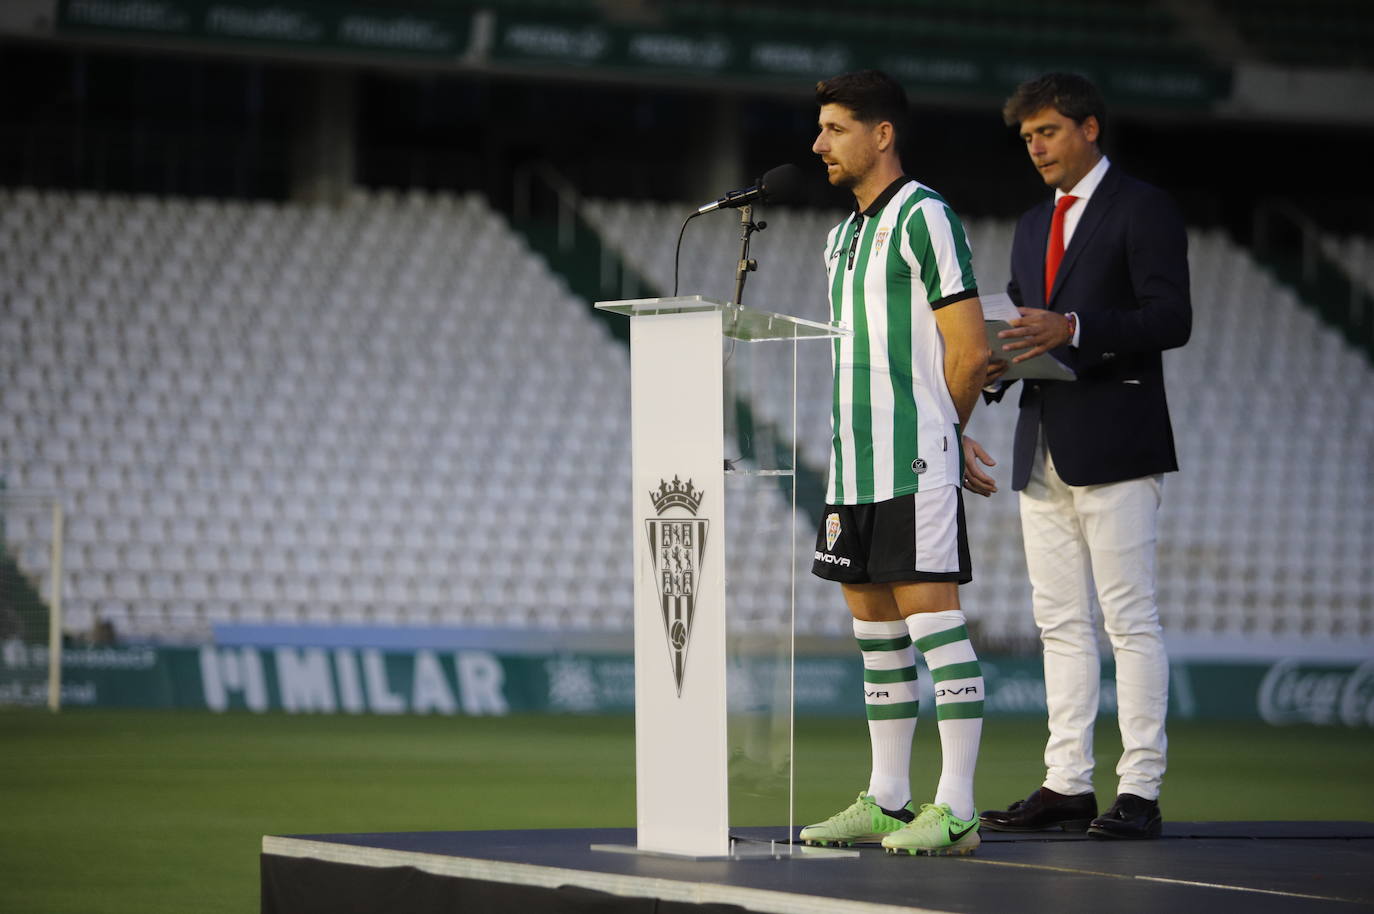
892	700
958	678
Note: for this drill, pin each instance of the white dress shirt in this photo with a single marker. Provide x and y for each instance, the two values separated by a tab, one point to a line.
1083	190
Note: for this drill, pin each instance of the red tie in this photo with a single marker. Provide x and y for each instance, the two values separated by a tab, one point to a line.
1054	254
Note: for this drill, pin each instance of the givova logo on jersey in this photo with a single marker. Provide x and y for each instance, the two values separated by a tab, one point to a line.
677	545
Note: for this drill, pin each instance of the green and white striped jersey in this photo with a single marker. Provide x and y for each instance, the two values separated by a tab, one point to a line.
894	427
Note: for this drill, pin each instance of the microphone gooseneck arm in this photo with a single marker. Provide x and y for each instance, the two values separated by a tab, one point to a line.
677	251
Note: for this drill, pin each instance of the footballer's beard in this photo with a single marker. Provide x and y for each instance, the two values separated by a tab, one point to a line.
843	178
851	174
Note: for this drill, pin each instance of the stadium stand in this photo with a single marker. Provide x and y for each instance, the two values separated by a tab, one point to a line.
388	411
392	411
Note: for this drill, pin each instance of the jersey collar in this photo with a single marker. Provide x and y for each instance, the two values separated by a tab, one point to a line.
884	198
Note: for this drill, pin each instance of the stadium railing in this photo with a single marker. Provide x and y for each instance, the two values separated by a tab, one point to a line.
31	625
1296	247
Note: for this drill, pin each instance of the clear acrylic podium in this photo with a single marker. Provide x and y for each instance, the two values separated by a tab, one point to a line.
713	424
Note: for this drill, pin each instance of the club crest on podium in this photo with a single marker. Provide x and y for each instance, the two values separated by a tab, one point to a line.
677	544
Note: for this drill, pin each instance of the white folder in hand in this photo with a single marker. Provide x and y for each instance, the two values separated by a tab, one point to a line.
998	313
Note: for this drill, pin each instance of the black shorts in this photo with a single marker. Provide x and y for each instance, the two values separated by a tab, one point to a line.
916	537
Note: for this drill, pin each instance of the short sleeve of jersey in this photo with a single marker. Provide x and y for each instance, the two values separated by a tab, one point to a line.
936	247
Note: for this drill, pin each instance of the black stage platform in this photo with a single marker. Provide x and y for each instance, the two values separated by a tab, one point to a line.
1252	867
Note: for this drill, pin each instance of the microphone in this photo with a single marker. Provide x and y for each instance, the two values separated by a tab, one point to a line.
779	185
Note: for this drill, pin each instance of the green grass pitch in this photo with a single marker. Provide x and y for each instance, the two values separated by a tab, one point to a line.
124	811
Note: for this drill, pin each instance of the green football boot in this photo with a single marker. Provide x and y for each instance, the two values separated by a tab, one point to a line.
936	832
863	822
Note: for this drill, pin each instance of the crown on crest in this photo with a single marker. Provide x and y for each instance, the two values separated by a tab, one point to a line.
676	494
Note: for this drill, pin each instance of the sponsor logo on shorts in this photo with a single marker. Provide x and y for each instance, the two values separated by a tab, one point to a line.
832	531
918	466
829	559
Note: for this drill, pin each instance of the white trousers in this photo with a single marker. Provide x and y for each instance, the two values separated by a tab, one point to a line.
1080	540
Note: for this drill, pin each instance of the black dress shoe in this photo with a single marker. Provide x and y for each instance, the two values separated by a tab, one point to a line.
1042	811
1130	817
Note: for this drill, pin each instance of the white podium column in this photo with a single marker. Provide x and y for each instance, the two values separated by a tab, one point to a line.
678	429
679	559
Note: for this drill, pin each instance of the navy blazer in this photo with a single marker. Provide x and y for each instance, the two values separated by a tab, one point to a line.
1125	274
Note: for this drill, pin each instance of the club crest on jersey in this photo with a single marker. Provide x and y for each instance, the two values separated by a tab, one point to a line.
918	466
832	531
880	239
677	545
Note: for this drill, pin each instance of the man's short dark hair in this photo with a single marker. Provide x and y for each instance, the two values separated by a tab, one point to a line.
1068	93
872	95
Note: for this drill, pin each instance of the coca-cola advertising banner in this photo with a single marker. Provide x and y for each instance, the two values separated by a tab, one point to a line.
1296	693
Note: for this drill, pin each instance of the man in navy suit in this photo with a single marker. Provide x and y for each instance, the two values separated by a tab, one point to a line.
1100	276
